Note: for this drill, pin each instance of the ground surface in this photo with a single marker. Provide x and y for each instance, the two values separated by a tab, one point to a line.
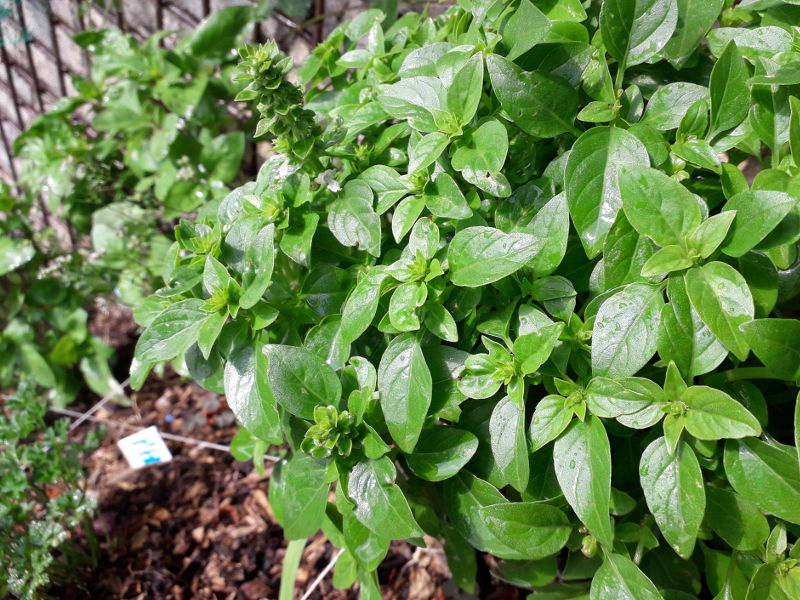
200	526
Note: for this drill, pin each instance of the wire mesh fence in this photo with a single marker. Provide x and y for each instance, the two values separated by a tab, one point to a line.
39	55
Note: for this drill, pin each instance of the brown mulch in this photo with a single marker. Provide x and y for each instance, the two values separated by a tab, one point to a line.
201	526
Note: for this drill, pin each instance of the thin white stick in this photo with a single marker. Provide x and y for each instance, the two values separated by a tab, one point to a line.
322	575
99	405
164	434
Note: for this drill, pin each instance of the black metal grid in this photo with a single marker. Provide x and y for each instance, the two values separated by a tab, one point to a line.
26	90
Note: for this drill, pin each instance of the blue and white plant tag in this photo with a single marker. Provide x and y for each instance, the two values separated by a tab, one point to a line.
145	447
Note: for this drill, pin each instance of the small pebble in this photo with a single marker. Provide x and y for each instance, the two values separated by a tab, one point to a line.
225	419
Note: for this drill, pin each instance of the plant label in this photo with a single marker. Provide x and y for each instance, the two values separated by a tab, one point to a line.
145	447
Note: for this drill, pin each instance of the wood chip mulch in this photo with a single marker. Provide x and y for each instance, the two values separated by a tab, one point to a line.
201	526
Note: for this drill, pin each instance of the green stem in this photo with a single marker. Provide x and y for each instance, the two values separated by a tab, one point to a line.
639	552
91	538
291	561
575	131
618	79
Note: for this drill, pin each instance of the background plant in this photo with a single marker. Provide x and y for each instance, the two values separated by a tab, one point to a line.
514	293
45	509
148	138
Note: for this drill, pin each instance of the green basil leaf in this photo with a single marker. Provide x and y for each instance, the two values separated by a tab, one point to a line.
209	331
541	105
625	253
658	206
484	149
550	418
509	443
476	381
481	255
634	401
667	260
305	495
747	531
597	112
551	224
534	348
248	394
721	297
695	18
260	258
752	43
697	152
757	213
463	497
582	460
441	453
415	99
668	105
787	74
444	199
14	253
300	380
591	184
527	27
769	583
618	578
440	322
387	185
405	384
683	338
673	487
776	343
379	502
296	240
403	305
712	415
730	95
220	32
172	331
533	529
766	474
427	149
635	30
625	330
708	236
361	305
464	93
405	215
770	116
353	221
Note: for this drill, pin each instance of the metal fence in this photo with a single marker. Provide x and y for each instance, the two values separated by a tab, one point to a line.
38	53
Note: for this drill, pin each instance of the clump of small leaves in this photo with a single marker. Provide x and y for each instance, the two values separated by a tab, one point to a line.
279	102
520	297
42	503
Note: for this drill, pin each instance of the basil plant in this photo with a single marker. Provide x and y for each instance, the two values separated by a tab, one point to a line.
523	277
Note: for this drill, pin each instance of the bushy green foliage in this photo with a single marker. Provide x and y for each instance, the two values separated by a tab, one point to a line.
518	296
149	137
43	503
